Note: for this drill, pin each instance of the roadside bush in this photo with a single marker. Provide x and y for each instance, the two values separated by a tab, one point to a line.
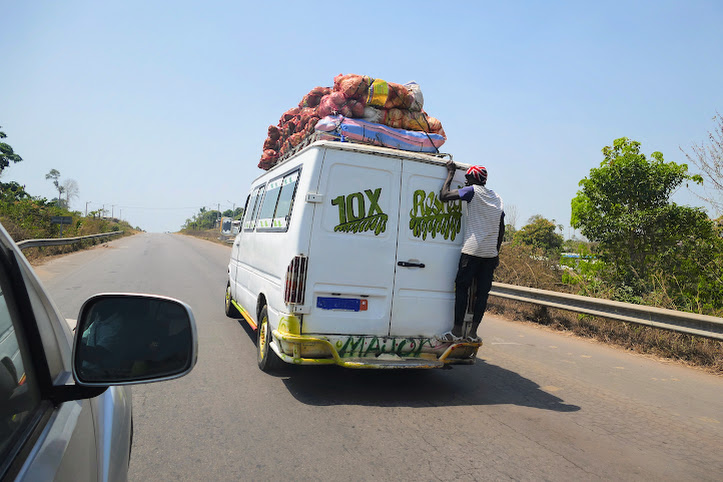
527	266
30	218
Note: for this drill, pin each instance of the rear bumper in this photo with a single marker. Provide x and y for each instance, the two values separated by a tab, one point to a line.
355	351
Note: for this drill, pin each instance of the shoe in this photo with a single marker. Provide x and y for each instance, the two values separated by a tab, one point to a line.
474	339
449	337
472	332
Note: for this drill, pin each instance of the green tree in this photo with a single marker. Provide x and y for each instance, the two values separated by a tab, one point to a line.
7	155
624	206
203	220
12	191
539	232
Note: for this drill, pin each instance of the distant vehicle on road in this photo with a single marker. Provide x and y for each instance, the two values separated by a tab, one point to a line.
65	407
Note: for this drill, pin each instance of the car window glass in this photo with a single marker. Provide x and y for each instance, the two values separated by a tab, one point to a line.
286	197
19	394
5	322
253	204
266	215
57	354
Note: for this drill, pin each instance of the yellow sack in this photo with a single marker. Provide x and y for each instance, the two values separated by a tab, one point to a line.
378	93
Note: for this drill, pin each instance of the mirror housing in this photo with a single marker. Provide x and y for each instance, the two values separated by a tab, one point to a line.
124	339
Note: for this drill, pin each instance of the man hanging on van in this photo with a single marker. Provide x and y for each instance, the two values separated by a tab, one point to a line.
481	246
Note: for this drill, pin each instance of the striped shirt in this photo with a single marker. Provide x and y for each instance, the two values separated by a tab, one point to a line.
484	212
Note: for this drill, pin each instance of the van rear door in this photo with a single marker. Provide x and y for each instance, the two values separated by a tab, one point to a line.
430	239
352	250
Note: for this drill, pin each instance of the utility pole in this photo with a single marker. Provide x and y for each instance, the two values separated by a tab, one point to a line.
86	208
112	209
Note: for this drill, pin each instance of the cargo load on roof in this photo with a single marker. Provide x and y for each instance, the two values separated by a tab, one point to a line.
357	108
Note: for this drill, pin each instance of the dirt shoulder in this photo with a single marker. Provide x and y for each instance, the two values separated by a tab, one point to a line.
212	235
41	255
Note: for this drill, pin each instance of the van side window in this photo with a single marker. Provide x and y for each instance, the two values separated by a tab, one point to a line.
252	207
286	200
246	206
278	202
268	206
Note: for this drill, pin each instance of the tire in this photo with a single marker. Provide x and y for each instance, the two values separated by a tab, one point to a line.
266	357
229	308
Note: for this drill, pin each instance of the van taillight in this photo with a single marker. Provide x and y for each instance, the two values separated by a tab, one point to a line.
296	280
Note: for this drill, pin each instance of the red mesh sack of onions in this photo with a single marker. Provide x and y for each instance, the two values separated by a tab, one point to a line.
395	118
352	86
338	103
314	96
271	144
304	116
420	121
289	114
268	159
274	133
309	129
435	125
399	97
296	139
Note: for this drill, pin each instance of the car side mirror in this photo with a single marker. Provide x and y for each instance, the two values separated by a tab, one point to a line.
122	339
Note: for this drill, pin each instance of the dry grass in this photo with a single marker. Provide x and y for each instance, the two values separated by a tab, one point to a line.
519	268
690	350
207	234
37	256
41	228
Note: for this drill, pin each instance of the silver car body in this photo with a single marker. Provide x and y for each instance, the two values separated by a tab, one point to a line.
93	434
87	438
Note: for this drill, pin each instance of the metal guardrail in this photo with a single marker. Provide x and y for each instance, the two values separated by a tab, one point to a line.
34	243
680	321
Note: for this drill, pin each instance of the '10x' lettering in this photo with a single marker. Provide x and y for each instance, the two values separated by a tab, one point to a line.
352	206
354	216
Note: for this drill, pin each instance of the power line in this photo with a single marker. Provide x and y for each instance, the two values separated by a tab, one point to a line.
162	208
153	208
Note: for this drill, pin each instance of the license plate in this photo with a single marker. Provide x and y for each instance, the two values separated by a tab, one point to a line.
345	304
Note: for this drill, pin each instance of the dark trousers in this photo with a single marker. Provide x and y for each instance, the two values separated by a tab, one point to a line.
481	270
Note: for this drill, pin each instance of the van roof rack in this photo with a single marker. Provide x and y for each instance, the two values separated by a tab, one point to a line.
351	144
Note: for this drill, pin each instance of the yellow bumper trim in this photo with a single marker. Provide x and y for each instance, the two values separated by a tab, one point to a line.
382	361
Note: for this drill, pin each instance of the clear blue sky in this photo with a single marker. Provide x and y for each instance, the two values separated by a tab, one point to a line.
159	108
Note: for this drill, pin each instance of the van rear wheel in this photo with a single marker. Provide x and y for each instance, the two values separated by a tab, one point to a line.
266	357
229	308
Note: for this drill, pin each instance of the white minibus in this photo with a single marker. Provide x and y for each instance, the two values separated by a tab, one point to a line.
347	256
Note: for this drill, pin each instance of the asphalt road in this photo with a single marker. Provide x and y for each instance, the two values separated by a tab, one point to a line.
538	405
